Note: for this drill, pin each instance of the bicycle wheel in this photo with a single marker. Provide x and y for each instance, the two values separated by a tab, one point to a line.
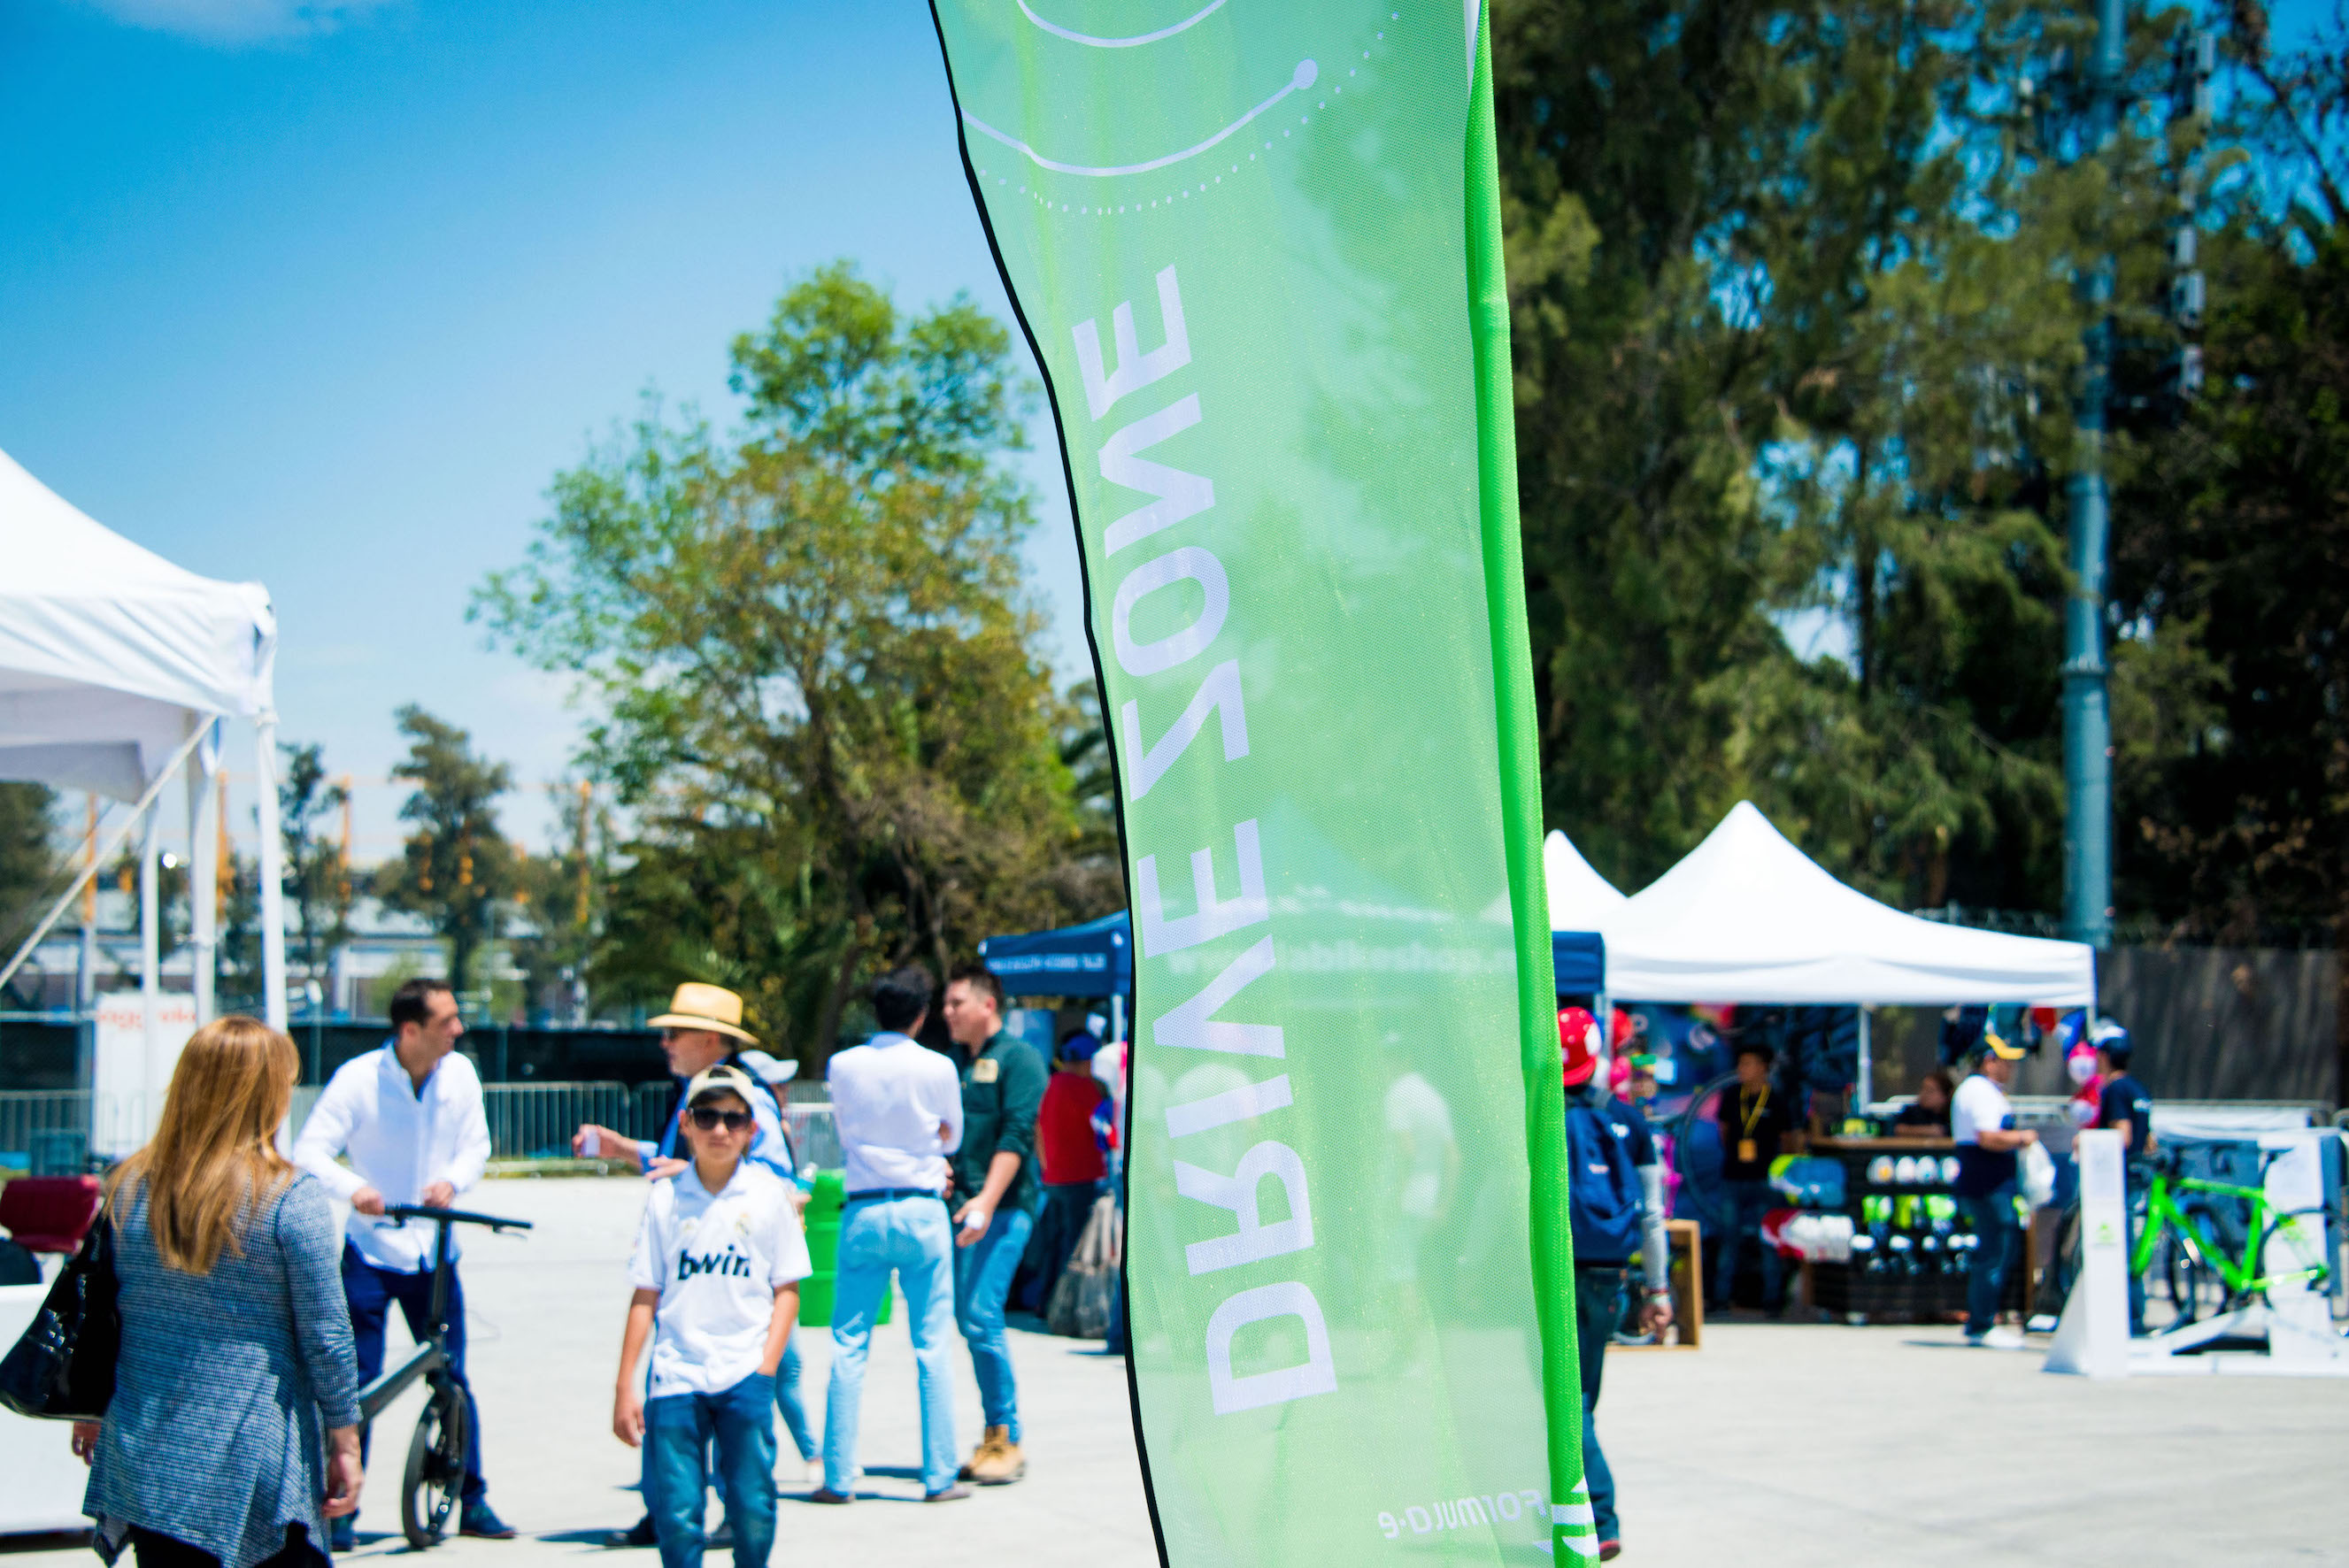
2063	1270
2196	1289
435	1469
2303	1249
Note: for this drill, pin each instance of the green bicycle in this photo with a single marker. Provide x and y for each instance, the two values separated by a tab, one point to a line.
2182	1226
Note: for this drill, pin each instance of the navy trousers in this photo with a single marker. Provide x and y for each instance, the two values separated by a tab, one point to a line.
371	1292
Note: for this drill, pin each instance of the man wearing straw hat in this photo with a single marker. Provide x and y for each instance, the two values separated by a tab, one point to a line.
703	1029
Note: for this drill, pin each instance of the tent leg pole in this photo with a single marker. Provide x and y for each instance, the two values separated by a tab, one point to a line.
151	961
273	874
203	857
1866	1067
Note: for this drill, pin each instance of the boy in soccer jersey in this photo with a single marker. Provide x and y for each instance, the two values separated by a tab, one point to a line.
717	1269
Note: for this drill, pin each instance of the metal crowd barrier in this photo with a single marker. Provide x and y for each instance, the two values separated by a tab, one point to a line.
53	1131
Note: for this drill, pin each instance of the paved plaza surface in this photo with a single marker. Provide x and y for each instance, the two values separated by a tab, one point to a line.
1773	1444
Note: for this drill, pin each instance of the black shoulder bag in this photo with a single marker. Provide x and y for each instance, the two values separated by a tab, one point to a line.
62	1369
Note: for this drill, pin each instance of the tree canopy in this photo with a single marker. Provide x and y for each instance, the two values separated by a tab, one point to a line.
1798	341
810	664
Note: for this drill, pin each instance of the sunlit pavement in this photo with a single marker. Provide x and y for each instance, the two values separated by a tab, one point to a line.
1773	1444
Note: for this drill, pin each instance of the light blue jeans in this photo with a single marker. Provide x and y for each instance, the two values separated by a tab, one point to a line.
788	1400
982	1280
914	1237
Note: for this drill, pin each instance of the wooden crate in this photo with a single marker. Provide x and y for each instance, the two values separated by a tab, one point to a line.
1687	1278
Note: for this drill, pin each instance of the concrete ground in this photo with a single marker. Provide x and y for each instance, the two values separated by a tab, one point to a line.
1773	1444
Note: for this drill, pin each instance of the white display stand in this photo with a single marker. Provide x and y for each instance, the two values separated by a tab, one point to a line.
2295	1321
41	1482
2092	1340
133	1067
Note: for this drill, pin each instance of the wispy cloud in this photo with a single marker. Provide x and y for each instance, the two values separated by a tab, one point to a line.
235	21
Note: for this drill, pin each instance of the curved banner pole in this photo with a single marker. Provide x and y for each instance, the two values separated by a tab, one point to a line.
1256	252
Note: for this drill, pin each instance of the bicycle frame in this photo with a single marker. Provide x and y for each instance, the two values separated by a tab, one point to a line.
429	1359
2241	1277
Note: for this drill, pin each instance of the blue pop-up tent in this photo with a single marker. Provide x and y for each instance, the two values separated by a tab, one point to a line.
1580	959
1095	959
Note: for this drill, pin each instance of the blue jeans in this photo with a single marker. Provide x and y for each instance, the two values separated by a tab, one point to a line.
370	1292
1747	1202
786	1399
2133	1209
679	1432
914	1237
982	1279
1598	1305
1994	1222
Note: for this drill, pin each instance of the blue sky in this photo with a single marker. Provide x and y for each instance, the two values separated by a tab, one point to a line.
323	294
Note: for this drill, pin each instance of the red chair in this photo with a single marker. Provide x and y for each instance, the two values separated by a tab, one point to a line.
49	1213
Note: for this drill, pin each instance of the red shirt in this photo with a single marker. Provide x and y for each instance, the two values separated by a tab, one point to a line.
1064	1129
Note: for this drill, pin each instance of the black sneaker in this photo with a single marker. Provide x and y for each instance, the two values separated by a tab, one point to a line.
477	1520
640	1534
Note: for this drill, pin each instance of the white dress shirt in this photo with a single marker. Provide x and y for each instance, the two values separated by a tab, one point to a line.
889	1098
400	1142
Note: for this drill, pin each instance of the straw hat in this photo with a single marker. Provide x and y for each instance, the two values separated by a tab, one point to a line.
700	1006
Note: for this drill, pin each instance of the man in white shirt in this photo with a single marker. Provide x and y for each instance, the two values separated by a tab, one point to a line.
409	1115
898	1107
1982	1122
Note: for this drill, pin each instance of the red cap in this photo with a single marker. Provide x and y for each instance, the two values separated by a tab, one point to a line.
1578	1044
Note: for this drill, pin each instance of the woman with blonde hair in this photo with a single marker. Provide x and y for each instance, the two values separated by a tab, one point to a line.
233	1432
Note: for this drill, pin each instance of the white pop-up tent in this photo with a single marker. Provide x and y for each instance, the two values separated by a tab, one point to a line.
1748	917
1579	898
116	668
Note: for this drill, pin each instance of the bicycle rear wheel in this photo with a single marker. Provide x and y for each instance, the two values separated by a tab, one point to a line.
435	1476
2196	1289
2303	1249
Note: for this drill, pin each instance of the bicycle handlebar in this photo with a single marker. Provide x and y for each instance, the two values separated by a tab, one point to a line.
404	1211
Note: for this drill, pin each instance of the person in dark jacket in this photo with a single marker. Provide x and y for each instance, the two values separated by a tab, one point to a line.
1598	1277
996	1193
233	1437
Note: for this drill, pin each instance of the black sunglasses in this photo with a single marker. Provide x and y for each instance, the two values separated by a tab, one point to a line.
707	1119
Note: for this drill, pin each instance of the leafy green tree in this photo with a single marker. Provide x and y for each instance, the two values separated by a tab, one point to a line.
28	850
1797	342
560	901
318	875
810	662
2232	571
457	867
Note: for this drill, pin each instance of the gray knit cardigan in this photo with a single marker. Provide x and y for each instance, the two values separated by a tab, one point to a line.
226	1385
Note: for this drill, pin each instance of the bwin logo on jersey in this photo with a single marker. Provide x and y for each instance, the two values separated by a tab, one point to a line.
729	1261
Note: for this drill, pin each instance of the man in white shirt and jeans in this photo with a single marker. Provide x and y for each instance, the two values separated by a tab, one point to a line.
1983	1123
409	1114
898	1107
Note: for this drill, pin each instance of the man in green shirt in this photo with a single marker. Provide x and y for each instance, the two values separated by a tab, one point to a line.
996	1193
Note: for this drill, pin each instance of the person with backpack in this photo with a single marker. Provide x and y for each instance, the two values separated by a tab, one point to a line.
1615	1203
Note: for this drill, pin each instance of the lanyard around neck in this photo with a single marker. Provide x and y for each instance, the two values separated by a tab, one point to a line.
1755	1114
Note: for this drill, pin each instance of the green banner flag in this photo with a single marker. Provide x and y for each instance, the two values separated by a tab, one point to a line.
1255	248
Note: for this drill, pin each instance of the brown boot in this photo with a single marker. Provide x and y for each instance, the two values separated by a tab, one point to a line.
998	1462
986	1442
